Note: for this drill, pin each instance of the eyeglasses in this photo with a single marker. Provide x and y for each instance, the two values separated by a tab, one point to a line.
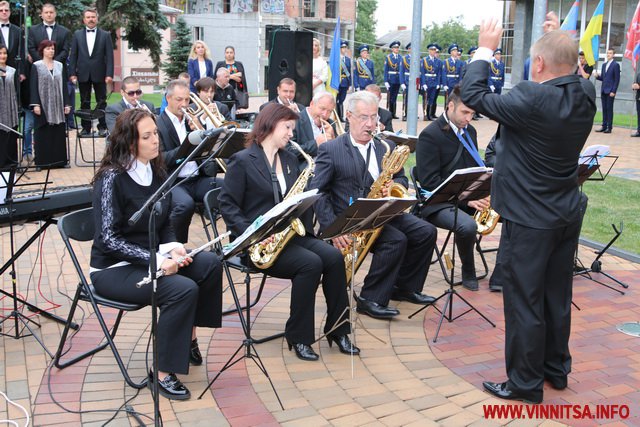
134	92
364	118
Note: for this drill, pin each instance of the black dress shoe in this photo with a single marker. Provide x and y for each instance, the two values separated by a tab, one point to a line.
303	351
602	129
558	383
395	117
375	310
495	288
404	118
635	134
502	391
606	131
86	133
344	344
470	284
411	296
195	357
171	387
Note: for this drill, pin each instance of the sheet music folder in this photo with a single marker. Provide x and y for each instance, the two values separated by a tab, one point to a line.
462	185
367	214
401	139
273	221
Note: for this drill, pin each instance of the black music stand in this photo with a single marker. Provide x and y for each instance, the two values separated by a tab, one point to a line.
462	185
364	215
401	139
274	221
590	169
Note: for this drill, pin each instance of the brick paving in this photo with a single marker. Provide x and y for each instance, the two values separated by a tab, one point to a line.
401	378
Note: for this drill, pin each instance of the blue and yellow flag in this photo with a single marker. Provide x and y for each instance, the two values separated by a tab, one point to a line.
590	40
570	22
333	82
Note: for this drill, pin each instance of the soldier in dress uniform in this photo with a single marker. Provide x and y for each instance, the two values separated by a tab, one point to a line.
496	75
451	70
364	73
405	69
392	76
345	77
439	86
430	69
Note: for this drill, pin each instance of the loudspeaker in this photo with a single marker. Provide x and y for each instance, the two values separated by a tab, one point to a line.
292	56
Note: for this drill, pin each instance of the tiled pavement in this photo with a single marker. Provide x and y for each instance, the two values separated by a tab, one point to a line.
401	378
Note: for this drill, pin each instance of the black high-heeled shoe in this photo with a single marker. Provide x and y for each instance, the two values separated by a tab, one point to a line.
303	351
344	344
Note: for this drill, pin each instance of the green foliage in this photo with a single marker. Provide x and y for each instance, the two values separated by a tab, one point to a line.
178	52
451	31
378	57
366	24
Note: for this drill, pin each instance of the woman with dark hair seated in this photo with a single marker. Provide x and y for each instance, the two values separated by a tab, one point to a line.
189	293
248	192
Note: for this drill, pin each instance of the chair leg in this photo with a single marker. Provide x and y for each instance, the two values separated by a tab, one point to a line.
255	300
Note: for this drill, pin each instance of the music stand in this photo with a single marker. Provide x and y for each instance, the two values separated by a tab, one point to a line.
587	169
274	221
462	185
363	215
401	139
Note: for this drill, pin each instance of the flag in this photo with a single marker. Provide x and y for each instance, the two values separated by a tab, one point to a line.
590	40
570	22
333	82
633	38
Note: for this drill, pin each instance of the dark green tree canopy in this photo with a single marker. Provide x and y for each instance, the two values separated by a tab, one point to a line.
451	31
178	52
366	23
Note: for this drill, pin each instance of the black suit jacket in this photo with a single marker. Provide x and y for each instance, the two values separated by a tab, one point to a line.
543	128
436	148
386	118
61	35
112	112
99	65
13	49
339	177
247	191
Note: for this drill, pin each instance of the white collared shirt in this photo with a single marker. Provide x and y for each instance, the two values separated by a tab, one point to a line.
49	29
317	130
5	32
141	173
127	104
454	128
91	39
373	160
181	129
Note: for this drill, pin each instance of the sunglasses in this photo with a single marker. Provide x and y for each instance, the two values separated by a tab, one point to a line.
134	92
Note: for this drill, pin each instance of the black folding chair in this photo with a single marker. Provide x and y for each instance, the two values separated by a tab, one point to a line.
440	251
78	226
212	211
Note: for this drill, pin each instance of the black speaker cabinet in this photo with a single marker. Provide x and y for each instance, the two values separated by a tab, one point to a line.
292	56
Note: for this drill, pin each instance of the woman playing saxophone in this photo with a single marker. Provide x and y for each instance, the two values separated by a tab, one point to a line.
257	179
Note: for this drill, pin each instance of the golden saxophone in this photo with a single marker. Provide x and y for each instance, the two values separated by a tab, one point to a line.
392	162
265	253
486	220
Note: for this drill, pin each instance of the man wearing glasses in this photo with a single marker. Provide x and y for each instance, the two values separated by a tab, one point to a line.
346	167
131	98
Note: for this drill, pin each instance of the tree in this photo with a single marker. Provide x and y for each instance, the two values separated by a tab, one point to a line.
178	52
451	31
366	23
140	19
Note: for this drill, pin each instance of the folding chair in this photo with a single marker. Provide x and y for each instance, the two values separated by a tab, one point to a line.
440	251
212	211
78	226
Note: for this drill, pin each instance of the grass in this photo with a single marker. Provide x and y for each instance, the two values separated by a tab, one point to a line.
612	201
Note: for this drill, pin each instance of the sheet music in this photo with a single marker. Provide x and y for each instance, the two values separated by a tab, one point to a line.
593	152
458	172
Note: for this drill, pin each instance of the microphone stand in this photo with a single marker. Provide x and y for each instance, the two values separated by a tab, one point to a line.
153	205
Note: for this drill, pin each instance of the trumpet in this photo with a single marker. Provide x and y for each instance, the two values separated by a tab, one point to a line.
335	121
292	105
143	107
160	272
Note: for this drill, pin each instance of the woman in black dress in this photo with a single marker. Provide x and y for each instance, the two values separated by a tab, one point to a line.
237	78
189	293
248	192
50	102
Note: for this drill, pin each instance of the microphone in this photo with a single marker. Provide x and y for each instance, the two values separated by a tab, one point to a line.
197	136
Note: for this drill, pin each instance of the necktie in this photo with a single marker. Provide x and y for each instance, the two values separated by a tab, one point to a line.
49	27
91	31
5	25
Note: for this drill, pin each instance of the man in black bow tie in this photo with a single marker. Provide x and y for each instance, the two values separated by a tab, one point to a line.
91	65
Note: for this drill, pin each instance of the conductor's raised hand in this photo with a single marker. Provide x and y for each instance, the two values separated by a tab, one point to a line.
551	23
490	34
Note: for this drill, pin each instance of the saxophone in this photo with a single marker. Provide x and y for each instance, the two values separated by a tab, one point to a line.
392	162
264	254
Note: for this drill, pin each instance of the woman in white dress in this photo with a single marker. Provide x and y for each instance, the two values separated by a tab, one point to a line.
320	69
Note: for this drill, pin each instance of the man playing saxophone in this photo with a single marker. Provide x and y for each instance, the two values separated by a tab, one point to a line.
346	168
445	145
257	179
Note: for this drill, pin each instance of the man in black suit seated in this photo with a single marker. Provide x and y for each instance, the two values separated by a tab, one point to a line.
445	145
131	94
346	167
206	88
543	125
313	127
385	116
286	95
91	65
173	129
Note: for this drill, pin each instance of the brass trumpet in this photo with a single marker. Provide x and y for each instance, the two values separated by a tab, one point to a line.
292	105
335	121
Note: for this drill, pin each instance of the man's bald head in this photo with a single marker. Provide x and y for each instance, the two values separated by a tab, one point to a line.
559	53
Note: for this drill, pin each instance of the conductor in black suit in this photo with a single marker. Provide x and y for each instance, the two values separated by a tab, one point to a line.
173	128
543	125
91	65
445	145
346	167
